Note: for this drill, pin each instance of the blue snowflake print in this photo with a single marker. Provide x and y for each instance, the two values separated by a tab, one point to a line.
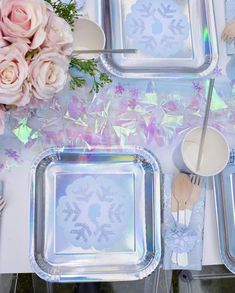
93	212
158	28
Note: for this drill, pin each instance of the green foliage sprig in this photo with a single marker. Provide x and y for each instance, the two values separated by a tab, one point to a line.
68	11
90	68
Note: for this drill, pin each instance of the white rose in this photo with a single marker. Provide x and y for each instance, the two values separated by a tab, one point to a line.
24	20
14	88
3	43
48	73
59	34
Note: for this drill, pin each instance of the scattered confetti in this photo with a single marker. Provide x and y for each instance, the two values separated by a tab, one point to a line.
23	131
197	86
13	154
145	113
217	71
134	93
119	89
217	103
76	109
55	104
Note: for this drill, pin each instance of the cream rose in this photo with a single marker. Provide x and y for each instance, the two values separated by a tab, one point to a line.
3	43
48	73
59	34
24	20
14	89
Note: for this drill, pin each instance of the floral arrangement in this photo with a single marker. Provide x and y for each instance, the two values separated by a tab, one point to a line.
36	44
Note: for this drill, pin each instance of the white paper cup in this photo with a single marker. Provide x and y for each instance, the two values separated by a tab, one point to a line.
88	35
215	153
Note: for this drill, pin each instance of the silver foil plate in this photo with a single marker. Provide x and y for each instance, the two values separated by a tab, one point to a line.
95	215
224	189
194	54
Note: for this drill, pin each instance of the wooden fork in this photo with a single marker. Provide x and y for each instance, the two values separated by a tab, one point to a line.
194	197
228	33
182	189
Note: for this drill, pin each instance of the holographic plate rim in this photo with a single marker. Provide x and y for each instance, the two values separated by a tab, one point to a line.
38	264
224	195
103	18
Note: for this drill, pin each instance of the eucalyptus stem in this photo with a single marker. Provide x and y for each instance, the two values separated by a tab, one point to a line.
68	11
90	68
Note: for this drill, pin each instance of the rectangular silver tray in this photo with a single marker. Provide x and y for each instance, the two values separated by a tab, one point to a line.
224	189
95	215
191	52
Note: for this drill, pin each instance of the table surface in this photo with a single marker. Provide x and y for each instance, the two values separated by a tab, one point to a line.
14	240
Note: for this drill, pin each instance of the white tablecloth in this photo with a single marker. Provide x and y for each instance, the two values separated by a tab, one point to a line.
14	232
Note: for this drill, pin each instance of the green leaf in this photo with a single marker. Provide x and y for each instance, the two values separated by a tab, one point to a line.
66	11
90	68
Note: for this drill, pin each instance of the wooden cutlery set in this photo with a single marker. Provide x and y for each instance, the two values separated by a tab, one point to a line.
185	194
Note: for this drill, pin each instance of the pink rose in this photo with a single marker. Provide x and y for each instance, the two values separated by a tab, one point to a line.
3	43
14	89
48	73
59	35
2	119
24	20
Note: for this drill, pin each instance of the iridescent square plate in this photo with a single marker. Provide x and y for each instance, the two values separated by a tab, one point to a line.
174	38
224	189
95	215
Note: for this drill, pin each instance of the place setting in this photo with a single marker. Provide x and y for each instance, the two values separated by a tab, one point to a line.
120	122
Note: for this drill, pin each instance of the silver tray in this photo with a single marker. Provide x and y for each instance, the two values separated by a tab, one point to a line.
174	38
95	215
224	189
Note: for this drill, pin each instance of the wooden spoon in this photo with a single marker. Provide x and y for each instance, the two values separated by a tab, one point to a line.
228	33
182	189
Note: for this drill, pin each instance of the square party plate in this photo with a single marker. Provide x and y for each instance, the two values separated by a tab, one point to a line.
174	38
95	215
224	190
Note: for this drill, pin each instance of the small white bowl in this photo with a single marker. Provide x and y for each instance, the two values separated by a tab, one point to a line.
215	153
88	35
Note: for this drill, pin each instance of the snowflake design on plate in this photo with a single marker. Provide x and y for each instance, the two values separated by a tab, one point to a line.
93	212
157	28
